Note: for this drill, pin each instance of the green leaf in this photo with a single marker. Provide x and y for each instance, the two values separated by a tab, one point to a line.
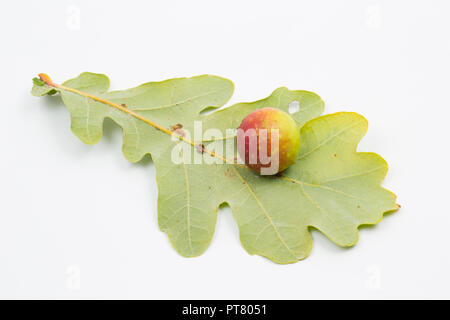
38	82
331	187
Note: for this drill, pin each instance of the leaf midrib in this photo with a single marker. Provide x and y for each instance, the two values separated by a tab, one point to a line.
59	87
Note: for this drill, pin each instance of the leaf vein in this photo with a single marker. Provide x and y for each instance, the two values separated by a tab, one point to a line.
327	140
265	213
173	104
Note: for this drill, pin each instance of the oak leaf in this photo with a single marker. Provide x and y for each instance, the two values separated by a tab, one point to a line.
331	187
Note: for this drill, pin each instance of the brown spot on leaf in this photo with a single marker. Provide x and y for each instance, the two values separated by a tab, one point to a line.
228	173
123	105
335	155
175	127
200	148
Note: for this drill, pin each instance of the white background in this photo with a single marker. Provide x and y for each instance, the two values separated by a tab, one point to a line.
79	221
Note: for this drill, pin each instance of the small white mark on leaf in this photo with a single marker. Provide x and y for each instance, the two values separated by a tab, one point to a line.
294	107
